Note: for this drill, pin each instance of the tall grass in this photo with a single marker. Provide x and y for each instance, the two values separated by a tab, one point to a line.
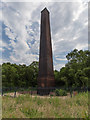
26	106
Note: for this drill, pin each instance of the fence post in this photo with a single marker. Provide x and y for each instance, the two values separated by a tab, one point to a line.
15	94
2	93
71	92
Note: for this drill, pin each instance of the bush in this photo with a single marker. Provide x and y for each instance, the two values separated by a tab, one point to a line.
57	92
60	92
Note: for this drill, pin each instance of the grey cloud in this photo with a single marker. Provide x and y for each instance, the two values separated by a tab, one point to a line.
61	16
63	28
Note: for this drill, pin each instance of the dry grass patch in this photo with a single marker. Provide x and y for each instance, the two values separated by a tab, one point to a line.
26	106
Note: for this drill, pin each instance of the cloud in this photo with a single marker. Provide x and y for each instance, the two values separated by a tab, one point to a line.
17	32
69	27
58	66
0	60
69	30
61	59
36	1
0	15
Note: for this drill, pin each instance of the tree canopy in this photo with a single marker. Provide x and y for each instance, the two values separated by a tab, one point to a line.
74	74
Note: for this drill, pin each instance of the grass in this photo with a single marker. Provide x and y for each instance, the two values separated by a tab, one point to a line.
26	106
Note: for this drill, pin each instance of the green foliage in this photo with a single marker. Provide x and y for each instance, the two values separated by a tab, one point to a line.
19	75
60	92
57	92
75	73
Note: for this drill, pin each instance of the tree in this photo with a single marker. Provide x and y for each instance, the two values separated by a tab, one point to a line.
19	75
76	71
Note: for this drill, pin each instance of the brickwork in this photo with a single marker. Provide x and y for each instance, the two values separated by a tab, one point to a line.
46	73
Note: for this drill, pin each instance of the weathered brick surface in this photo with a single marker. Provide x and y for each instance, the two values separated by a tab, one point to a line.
46	73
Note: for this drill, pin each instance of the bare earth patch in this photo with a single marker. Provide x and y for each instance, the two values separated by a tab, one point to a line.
19	94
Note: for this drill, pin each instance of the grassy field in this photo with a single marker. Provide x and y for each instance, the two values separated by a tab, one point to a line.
26	106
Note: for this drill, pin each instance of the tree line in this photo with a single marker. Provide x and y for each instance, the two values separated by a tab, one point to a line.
74	74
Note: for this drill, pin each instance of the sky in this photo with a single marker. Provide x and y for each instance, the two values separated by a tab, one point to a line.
20	36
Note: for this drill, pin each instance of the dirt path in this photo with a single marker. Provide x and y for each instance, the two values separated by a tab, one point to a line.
18	94
12	94
63	97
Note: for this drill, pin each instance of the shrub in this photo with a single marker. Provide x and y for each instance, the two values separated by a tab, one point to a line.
60	92
57	92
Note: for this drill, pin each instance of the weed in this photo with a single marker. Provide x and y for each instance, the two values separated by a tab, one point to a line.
60	92
26	106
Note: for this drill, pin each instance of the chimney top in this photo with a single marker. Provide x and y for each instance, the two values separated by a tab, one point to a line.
45	9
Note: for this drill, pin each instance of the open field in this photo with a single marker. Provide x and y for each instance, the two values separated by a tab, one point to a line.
27	106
